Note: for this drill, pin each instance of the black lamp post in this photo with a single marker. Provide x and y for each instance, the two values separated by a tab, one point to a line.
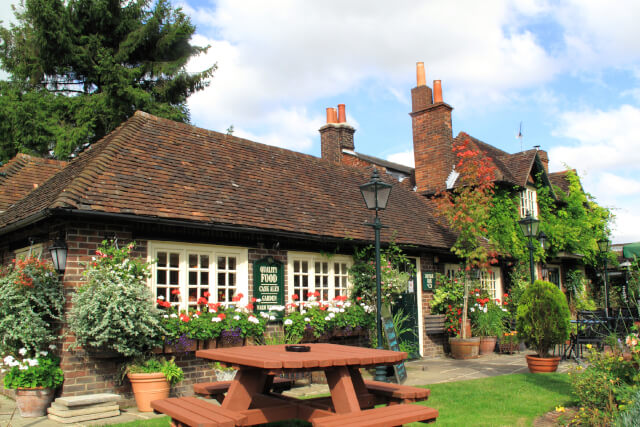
529	226
59	255
604	245
376	194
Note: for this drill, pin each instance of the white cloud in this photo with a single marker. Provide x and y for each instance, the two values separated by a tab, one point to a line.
602	139
404	158
286	54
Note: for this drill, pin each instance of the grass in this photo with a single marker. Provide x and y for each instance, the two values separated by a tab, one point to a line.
506	400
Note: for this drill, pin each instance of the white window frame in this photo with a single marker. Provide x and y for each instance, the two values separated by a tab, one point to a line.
213	252
529	202
311	259
491	281
35	251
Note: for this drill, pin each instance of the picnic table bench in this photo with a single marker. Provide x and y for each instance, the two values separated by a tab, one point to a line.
216	390
249	398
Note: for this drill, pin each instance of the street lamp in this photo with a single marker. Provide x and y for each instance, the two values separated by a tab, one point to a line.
529	226
59	255
604	245
376	195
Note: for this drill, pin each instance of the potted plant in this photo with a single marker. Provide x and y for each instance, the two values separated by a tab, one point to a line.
113	314
487	321
223	372
152	379
35	380
509	342
543	320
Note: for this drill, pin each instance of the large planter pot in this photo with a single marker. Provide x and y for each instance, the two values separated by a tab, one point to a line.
33	402
539	365
487	345
465	348
148	387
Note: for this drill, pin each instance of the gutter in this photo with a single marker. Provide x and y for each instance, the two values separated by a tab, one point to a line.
97	215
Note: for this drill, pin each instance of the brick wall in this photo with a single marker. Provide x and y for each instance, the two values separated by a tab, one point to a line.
333	138
433	345
432	146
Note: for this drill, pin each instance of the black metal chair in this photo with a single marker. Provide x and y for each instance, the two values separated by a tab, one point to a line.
592	329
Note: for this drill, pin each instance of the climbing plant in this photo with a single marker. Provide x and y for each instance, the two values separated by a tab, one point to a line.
575	222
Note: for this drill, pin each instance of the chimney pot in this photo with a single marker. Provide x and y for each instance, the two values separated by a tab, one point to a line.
331	115
342	115
437	91
420	77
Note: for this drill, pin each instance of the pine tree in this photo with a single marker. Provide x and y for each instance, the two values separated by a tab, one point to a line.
79	68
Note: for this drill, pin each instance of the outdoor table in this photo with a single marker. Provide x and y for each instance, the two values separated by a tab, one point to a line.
257	365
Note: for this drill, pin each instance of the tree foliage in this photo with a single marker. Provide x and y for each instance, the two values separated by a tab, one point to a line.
79	68
467	208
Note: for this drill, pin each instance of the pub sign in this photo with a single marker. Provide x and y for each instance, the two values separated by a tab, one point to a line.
268	285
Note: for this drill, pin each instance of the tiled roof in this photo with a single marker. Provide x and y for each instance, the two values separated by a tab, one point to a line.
519	165
22	174
560	180
155	167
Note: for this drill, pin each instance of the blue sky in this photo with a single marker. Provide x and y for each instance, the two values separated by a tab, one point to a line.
569	71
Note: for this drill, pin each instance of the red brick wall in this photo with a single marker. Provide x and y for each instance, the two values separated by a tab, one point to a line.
333	138
432	144
432	345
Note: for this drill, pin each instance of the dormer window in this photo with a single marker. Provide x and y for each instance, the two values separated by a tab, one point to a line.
528	203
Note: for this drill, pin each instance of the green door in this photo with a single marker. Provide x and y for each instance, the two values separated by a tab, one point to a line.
405	309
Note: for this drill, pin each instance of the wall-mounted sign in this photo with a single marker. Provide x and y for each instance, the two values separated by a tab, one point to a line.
429	281
268	285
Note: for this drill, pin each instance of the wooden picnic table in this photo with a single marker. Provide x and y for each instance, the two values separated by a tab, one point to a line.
249	401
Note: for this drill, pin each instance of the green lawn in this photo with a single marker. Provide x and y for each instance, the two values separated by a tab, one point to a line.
506	400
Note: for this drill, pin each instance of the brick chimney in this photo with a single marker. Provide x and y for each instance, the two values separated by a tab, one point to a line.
432	135
544	158
336	135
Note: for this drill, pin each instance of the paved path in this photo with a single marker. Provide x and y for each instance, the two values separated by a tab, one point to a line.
420	372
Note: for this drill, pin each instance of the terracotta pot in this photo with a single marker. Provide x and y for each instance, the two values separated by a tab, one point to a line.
33	402
487	345
465	348
148	387
539	365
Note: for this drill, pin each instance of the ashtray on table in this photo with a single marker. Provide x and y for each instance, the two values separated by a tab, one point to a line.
297	348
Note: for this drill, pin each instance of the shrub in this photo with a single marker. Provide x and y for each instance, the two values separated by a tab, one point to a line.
31	305
41	371
488	317
630	417
604	387
114	310
543	317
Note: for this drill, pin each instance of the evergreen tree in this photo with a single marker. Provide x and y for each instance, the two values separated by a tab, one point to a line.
79	68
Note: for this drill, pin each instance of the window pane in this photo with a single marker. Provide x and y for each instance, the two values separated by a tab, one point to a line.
174	260
296	266
232	263
173	277
232	279
204	261
204	278
193	278
162	259
193	260
162	277
222	262
222	280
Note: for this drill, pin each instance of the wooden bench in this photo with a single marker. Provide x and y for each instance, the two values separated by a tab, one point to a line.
194	412
216	390
434	324
396	393
383	416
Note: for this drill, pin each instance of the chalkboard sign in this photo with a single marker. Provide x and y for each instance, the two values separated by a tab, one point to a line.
399	370
429	281
268	285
